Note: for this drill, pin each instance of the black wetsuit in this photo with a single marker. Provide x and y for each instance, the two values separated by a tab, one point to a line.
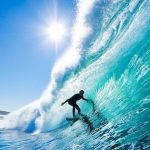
72	101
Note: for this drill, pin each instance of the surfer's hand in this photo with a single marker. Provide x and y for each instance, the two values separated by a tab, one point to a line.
90	101
64	102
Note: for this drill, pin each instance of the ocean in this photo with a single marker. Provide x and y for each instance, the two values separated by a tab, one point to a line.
110	61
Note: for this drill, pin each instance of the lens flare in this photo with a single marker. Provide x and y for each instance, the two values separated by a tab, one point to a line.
56	31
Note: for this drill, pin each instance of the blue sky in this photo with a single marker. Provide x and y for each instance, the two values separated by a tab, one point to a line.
26	59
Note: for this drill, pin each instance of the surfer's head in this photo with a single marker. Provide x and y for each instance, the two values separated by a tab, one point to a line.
81	92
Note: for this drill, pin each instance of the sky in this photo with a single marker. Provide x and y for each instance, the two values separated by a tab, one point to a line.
27	55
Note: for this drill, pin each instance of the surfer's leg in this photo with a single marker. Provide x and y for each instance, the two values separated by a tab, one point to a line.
77	107
73	111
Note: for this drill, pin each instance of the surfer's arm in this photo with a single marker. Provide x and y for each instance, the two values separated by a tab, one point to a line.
84	99
64	102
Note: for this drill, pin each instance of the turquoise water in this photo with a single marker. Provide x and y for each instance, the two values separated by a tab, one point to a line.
114	71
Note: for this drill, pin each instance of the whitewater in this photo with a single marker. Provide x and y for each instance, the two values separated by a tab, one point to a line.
109	58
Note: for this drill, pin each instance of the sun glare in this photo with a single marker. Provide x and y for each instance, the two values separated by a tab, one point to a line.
56	31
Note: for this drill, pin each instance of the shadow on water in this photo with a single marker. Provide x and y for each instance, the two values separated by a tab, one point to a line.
86	120
93	117
97	116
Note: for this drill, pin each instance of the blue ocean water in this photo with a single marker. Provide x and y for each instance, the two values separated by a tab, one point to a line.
114	71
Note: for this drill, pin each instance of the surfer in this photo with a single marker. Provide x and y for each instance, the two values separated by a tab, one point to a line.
72	101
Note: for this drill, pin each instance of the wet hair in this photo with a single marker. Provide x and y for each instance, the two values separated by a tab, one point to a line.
81	91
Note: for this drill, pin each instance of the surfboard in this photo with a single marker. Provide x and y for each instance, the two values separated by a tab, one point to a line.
72	120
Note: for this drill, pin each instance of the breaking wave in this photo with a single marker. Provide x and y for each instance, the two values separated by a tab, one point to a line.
109	59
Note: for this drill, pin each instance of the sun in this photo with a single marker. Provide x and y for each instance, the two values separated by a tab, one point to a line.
56	31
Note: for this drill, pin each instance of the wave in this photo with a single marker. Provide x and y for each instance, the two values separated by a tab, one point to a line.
108	58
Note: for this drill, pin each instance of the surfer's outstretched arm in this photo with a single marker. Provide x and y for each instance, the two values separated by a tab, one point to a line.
84	99
64	102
